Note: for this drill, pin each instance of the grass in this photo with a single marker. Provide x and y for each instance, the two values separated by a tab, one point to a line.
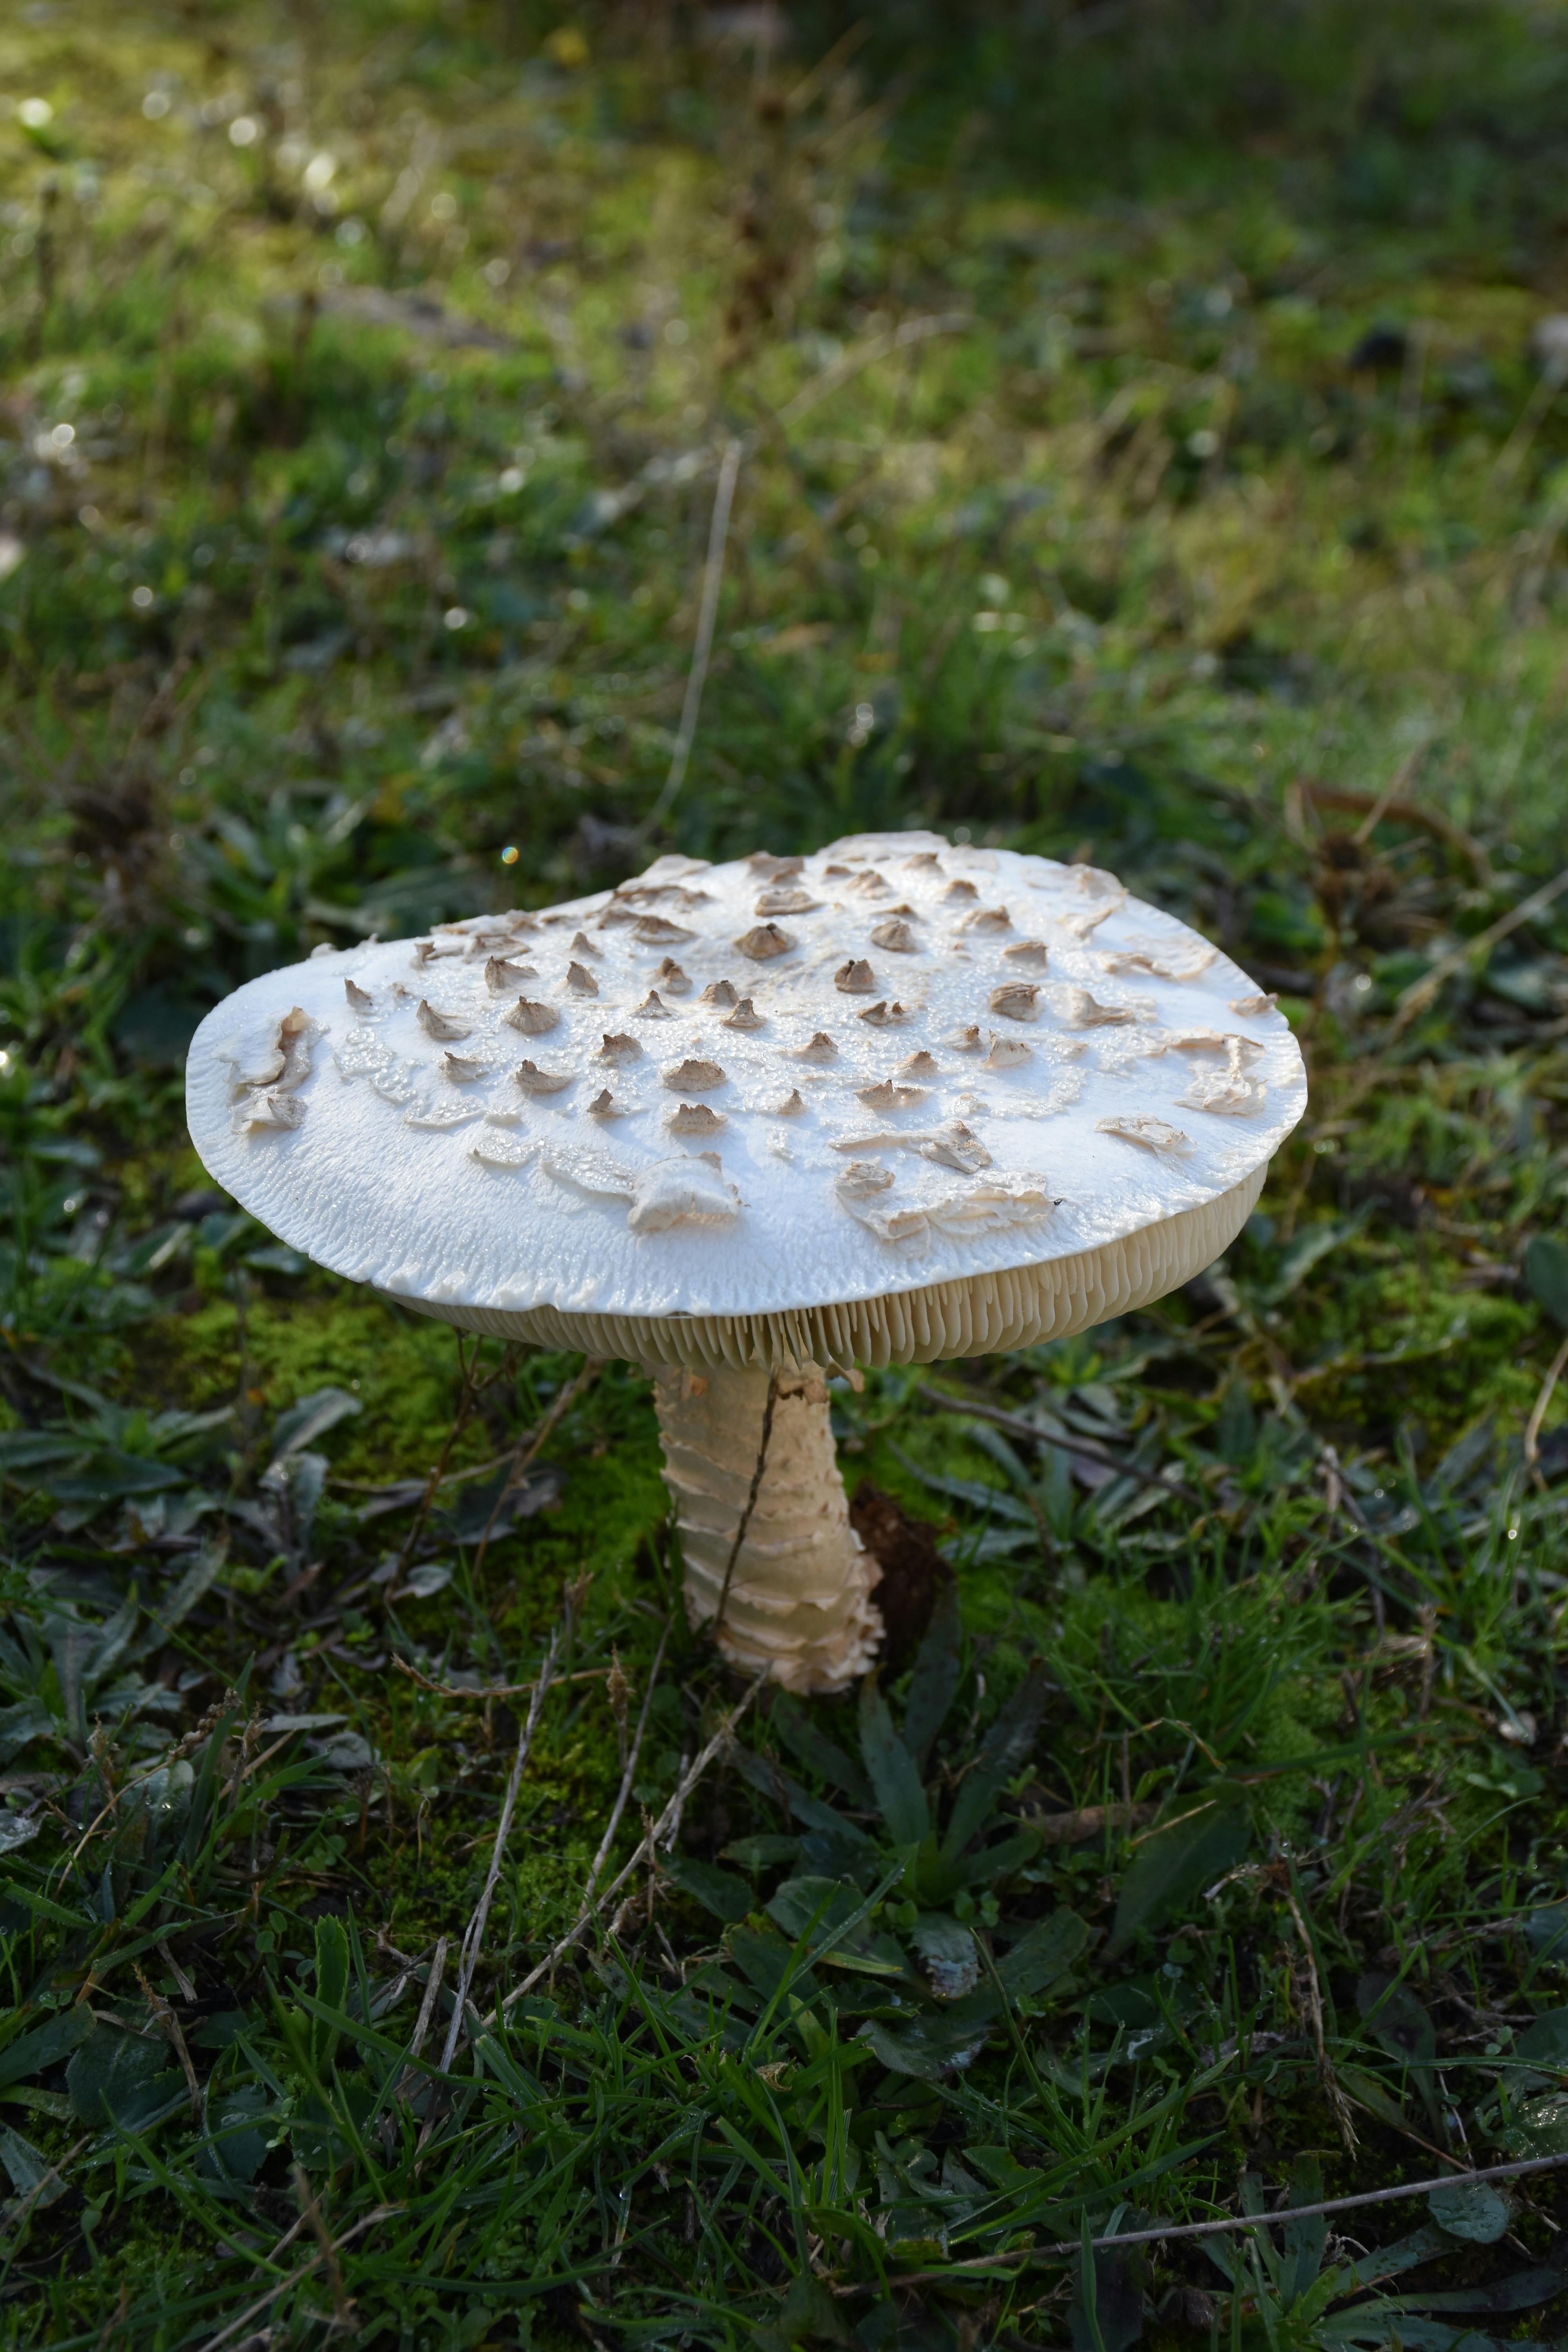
1141	455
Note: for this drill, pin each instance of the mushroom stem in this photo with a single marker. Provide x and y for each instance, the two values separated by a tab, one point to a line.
799	1592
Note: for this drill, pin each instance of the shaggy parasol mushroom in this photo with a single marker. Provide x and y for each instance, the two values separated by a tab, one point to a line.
899	1101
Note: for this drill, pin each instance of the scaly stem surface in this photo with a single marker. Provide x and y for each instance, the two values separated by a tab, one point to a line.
799	1597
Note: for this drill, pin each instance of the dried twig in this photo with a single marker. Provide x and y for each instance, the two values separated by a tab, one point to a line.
530	1446
645	1851
1339	2105
486	1691
744	1520
628	1770
165	2018
343	2308
1538	1411
1420	992
1228	2223
295	2278
1016	1426
473	1940
697	676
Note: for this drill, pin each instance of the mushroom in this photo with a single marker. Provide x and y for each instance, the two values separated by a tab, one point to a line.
1042	1174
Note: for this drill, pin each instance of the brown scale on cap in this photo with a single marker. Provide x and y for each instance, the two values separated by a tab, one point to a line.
581	981
360	999
535	1081
821	1048
501	976
888	1096
956	892
920	1066
773	869
1152	1134
1006	1053
719	991
787	902
618	1048
671	979
694	1118
583	945
744	1017
855	978
764	941
692	1077
654	931
442	1025
1251	1007
924	861
1029	955
793	1108
460	1071
965	1040
988	919
1015	1000
653	1009
1086	1012
883	1015
869	885
604	1105
532	1019
895	937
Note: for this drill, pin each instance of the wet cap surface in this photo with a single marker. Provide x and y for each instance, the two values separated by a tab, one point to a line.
685	1097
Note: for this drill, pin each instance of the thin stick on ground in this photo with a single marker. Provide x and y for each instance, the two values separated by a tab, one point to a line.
645	1851
1538	1411
1421	993
528	1450
1018	1426
628	1772
474	1939
745	1518
697	676
1228	2224
295	2278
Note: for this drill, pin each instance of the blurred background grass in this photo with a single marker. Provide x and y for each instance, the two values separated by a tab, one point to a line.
1147	440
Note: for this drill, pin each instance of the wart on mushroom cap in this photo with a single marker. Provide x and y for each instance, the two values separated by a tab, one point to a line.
952	1174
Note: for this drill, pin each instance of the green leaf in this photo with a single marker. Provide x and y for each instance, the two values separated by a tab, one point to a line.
1396	2019
934	1681
823	1906
764	1959
929	2049
27	2167
1545	2043
760	1853
122	2079
235	2147
29	1719
1043	1953
948	1953
719	1890
1546	1272
1174	1863
1106	2313
44	2046
332	1988
1474	2212
893	1771
825	1756
1305	2239
1009	1744
311	1417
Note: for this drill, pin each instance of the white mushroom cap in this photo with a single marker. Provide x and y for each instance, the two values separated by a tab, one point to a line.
1095	1129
